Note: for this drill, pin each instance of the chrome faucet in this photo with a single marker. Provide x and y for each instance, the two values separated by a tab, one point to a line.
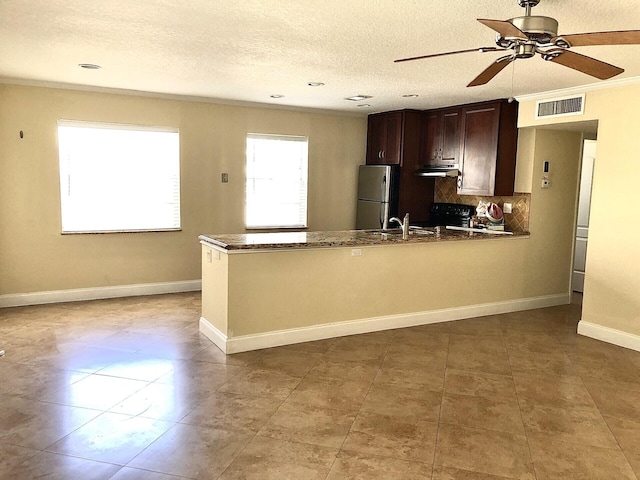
404	224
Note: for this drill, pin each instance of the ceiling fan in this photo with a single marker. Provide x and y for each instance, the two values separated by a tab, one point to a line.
525	36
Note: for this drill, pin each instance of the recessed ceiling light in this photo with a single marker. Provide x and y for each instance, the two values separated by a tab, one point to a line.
358	98
277	96
315	84
89	66
364	105
410	95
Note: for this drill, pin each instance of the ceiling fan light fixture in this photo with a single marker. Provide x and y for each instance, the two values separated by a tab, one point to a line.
525	50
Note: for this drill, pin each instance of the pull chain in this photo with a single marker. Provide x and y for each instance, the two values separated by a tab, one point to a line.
513	70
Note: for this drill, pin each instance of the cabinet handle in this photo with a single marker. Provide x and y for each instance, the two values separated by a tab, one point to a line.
379	154
460	181
383	154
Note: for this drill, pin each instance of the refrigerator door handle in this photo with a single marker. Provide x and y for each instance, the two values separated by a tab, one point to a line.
384	215
383	189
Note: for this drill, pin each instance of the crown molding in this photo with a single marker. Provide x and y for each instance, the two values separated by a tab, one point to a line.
605	85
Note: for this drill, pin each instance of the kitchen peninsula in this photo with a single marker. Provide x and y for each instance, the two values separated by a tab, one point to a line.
269	289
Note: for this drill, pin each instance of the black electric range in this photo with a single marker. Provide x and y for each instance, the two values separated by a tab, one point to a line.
455	214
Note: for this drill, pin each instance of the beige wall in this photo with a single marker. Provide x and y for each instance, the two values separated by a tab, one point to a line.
553	210
612	282
35	257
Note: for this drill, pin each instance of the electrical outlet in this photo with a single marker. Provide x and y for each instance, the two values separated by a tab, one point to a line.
225	178
209	256
507	208
356	252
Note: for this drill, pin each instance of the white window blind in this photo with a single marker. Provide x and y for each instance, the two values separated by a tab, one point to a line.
276	192
118	178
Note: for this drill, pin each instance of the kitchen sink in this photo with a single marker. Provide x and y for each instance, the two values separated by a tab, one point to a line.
384	232
398	232
421	230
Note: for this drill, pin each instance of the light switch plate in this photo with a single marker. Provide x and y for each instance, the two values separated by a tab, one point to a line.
225	178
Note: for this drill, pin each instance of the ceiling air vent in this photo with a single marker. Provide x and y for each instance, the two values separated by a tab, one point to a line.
560	107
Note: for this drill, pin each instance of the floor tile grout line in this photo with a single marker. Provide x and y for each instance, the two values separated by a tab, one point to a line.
444	385
71	456
524	425
602	415
355	416
626	456
255	434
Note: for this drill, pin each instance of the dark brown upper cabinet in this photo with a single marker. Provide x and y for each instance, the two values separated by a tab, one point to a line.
488	142
384	138
441	137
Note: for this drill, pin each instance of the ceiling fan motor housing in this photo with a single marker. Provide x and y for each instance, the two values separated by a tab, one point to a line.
539	29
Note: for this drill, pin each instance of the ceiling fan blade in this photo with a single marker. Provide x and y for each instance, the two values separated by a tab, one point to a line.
493	69
588	65
623	37
481	49
504	28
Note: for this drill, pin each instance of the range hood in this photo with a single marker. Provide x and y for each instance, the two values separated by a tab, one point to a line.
437	171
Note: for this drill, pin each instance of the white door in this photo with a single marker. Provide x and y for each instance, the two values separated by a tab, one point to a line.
584	205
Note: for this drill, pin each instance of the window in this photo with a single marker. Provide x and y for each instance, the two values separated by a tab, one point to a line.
276	181
118	178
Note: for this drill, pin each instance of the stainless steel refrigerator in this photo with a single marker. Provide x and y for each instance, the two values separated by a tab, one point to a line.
377	195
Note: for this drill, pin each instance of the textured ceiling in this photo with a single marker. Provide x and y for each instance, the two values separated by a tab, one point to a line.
246	50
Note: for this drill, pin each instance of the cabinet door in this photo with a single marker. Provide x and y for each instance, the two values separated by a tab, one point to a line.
375	139
479	147
450	125
384	139
430	144
393	139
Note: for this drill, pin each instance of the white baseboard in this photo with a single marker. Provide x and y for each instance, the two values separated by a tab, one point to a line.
278	338
95	293
213	334
609	335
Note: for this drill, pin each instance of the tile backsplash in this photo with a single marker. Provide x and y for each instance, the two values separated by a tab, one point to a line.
516	221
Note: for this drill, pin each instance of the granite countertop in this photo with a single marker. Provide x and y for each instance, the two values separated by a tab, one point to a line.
346	238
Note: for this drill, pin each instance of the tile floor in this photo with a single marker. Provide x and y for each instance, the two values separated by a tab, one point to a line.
128	389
